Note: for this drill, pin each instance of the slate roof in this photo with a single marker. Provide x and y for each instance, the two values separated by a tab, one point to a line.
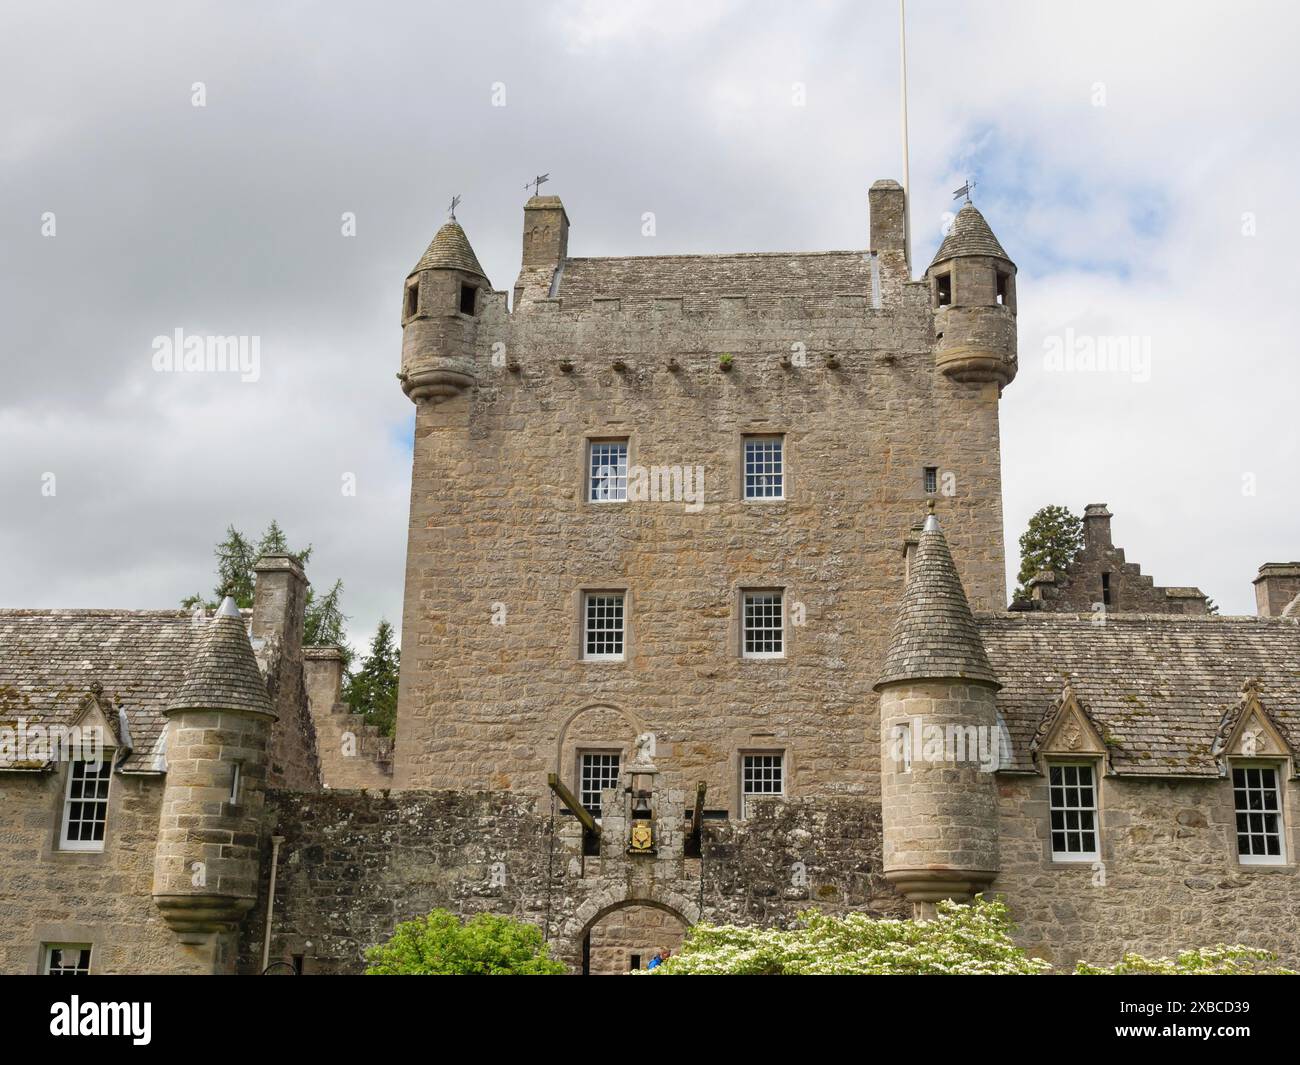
450	250
223	674
935	636
696	278
1157	685
969	235
49	659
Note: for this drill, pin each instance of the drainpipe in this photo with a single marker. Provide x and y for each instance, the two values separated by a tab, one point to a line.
270	900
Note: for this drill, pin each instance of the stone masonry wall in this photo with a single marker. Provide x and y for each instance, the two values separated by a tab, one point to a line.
98	897
1171	876
354	864
501	529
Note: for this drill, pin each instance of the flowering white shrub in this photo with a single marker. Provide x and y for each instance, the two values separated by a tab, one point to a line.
973	940
1209	961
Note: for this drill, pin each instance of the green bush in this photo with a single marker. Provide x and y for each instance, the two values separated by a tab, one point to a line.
486	945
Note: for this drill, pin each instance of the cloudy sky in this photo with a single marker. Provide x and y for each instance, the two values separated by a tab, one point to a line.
1139	162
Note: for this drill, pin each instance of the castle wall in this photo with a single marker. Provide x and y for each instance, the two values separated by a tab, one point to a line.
354	864
1169	878
500	529
100	897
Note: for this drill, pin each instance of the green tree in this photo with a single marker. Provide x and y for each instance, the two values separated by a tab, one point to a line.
486	945
372	690
325	622
1051	541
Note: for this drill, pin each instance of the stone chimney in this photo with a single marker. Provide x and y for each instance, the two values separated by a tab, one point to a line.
886	201
1096	526
1277	588
279	603
546	231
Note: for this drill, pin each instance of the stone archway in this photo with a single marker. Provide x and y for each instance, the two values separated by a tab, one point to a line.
675	912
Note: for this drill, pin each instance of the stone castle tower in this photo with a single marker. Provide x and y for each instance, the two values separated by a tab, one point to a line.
874	392
206	865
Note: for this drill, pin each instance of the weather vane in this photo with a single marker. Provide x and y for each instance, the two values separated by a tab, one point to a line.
451	211
536	183
965	190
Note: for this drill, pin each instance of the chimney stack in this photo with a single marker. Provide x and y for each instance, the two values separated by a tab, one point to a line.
1096	526
887	203
1276	588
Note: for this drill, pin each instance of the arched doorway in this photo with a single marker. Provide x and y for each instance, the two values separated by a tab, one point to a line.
627	935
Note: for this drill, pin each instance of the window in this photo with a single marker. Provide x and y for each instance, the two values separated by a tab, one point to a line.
764	630
412	302
607	471
760	774
85	807
1105	588
599	772
1003	288
236	780
602	635
1258	805
1073	813
943	290
931	479
468	293
764	467
67	959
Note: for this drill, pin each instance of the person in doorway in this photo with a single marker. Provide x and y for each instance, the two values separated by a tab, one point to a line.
659	958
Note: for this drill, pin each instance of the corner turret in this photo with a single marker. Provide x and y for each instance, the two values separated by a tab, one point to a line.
973	292
939	736
219	725
441	303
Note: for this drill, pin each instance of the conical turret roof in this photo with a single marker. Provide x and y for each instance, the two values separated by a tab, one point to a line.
224	673
450	250
935	636
970	235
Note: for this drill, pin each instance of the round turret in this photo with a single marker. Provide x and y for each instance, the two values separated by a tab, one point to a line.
939	737
441	303
219	726
973	292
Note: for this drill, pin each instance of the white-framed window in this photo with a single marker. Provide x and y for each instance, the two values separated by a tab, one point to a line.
602	625
598	771
1257	800
1072	790
760	775
607	471
85	805
764	467
763	624
67	959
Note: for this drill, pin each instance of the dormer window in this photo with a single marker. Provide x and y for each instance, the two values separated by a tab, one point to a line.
1257	803
411	303
468	298
85	805
943	290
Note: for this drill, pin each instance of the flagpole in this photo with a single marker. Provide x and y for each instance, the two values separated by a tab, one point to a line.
907	175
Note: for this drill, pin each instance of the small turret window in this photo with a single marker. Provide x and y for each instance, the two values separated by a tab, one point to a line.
943	290
411	303
1004	288
931	479
468	299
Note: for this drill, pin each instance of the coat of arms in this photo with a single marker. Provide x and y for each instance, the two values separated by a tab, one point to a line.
642	841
